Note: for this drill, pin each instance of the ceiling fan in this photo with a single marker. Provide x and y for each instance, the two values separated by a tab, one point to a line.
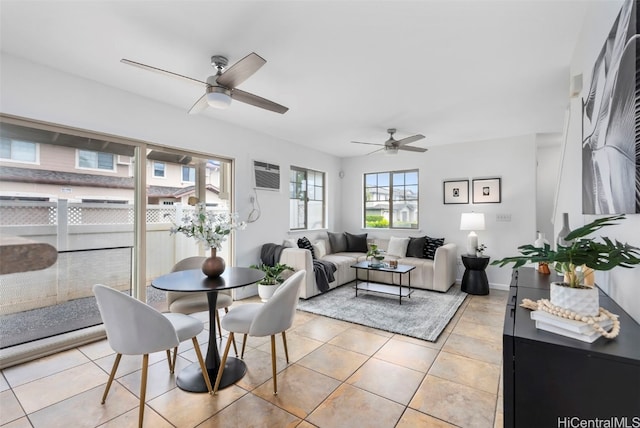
221	87
391	146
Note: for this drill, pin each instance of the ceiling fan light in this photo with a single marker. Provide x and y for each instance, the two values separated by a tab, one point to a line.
218	97
390	150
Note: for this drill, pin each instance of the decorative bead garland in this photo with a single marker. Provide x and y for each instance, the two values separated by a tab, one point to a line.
593	321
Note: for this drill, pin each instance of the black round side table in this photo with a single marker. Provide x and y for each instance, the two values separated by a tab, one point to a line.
474	280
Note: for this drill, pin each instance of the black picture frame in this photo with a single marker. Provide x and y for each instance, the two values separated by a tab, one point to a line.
487	191
455	192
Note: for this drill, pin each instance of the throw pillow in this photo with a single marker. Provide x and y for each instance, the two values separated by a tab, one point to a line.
338	242
290	243
356	243
398	246
306	244
320	249
416	247
430	247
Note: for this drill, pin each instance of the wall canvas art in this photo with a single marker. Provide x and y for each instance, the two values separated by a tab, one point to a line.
611	122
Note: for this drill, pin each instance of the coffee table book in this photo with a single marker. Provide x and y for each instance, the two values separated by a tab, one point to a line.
570	328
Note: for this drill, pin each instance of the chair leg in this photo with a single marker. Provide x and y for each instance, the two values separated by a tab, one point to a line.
169	359
143	388
205	373
112	375
175	357
218	322
284	342
244	342
223	362
273	364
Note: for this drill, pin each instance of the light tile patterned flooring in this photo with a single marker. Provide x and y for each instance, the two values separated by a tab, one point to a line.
340	375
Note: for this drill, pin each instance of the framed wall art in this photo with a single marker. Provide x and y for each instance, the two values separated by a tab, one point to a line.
456	192
486	191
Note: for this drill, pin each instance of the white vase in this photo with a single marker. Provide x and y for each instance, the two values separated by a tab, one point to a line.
540	241
266	291
583	301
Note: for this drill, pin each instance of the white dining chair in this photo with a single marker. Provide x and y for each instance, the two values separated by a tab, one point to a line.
264	319
135	328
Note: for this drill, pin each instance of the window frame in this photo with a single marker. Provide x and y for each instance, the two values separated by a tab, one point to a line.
192	168
391	199
164	169
114	167
323	186
36	153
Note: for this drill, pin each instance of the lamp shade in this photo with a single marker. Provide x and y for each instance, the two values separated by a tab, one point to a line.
472	221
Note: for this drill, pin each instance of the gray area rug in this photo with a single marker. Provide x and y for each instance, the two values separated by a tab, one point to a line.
423	316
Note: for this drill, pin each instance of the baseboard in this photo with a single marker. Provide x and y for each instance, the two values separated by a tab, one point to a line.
25	352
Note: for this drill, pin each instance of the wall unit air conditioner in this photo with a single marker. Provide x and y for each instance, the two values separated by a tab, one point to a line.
266	176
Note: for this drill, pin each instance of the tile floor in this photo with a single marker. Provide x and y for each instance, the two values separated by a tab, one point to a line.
340	375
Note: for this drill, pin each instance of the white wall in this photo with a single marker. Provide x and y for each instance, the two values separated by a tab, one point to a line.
513	160
621	284
67	100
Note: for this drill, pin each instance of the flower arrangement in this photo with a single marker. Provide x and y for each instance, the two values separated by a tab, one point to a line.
481	248
209	228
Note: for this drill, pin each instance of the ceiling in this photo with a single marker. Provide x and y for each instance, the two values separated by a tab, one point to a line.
451	70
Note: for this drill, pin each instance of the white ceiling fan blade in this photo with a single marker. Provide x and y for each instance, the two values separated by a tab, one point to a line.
241	70
412	149
376	151
257	101
370	144
199	105
161	71
409	140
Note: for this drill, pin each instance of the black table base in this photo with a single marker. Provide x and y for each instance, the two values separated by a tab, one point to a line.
191	379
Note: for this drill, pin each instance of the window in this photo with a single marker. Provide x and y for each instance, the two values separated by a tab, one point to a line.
159	169
306	199
189	174
96	160
391	200
19	151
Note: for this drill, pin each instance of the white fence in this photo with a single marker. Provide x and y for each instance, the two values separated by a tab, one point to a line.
94	242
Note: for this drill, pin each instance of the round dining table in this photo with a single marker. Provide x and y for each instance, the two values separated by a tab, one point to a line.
190	378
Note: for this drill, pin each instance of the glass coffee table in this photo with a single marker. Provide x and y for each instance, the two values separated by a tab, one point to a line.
395	290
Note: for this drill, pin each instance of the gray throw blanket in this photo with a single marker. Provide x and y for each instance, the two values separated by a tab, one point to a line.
270	254
323	271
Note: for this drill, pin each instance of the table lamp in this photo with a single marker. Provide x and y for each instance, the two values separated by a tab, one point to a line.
472	222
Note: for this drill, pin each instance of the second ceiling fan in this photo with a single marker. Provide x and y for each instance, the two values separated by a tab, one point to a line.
222	87
391	146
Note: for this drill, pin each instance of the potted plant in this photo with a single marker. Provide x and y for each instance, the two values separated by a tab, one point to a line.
577	261
376	254
273	277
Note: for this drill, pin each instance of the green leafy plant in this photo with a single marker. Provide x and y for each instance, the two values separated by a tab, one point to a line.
273	274
582	251
375	252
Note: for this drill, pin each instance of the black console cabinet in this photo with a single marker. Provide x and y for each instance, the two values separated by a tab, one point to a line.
555	381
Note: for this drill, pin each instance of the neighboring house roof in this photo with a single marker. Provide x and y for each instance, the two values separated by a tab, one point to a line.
43	176
176	192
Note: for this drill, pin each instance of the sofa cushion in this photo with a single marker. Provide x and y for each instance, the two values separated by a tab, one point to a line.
431	245
290	243
356	243
306	244
416	247
397	246
337	241
320	249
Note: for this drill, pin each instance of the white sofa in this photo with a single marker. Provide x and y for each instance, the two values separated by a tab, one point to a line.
438	274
